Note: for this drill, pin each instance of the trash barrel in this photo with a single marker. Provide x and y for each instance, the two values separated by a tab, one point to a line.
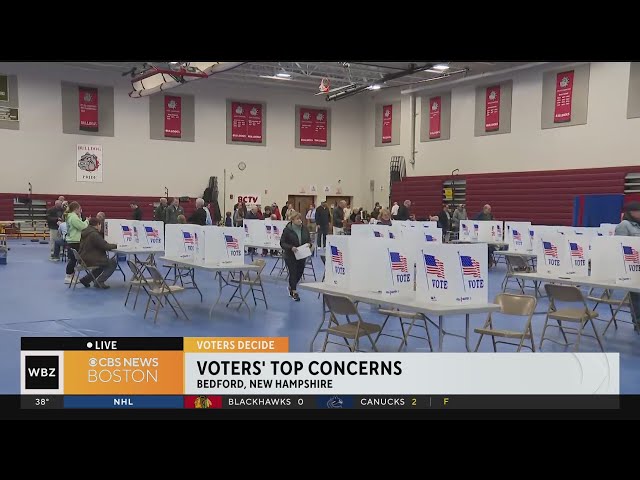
3	255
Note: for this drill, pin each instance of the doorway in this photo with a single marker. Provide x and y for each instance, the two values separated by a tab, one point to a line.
301	204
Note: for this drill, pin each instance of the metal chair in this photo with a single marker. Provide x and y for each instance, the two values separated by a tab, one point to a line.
413	316
512	305
580	315
343	306
81	266
517	264
160	289
607	299
138	280
185	275
309	266
255	284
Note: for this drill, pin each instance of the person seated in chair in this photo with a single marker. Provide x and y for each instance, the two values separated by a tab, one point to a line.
93	251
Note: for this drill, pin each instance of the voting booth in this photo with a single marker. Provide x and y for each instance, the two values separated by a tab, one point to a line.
150	234
222	245
124	233
553	254
605	258
257	233
357	263
411	224
626	256
452	274
366	230
606	229
277	227
469	230
488	231
183	241
578	245
517	236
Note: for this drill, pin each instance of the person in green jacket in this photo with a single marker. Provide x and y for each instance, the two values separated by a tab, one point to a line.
75	226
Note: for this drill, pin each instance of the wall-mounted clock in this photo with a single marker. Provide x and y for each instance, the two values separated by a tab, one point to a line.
242	166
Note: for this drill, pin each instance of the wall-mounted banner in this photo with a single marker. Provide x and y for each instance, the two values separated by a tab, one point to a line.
4	88
313	127
387	121
89	163
10	114
435	107
492	109
564	94
172	116
88	104
246	125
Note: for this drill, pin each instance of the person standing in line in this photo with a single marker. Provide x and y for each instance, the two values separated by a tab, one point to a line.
385	217
74	230
322	221
137	213
173	210
394	209
54	216
338	218
160	213
460	213
199	216
630	227
485	214
276	211
293	237
404	212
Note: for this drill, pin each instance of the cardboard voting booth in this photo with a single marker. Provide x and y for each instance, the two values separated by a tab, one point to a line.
626	257
222	245
488	231
124	233
553	256
367	230
277	227
469	230
517	236
578	245
422	224
257	232
607	229
357	263
605	258
183	241
452	274
150	234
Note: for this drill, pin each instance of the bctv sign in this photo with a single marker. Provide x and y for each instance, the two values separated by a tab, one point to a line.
249	199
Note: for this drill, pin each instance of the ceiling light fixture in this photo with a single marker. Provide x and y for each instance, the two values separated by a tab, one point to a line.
440	67
374	87
283	75
275	77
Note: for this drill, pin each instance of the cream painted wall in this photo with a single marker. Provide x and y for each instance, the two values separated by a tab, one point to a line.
608	139
135	165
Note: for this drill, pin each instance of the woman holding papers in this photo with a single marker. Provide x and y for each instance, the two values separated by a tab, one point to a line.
296	246
630	227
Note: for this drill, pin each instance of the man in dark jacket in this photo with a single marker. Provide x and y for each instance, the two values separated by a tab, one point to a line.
137	213
199	217
322	221
172	211
159	215
403	212
293	236
54	215
444	219
93	251
485	214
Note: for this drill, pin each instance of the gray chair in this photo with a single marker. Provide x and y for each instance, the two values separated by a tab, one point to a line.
138	281
81	266
352	330
513	305
255	285
159	290
406	334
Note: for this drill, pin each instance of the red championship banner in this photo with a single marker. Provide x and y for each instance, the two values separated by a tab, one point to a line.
564	96
387	120
88	103
239	122
320	128
307	120
492	109
254	123
172	116
435	107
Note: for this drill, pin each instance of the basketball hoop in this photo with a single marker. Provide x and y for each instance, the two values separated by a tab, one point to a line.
325	84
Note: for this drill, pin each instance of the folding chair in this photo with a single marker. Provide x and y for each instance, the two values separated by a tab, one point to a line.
255	284
607	299
159	289
512	305
80	267
139	281
338	305
517	264
413	316
309	266
580	315
185	275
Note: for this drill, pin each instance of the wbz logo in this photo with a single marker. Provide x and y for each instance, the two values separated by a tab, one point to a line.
42	372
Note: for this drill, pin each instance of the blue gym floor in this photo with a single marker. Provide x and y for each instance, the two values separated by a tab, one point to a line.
34	301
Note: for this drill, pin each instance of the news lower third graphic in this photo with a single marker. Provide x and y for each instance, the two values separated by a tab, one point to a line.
216	373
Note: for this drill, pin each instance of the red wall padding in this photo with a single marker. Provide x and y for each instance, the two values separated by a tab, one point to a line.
542	197
112	206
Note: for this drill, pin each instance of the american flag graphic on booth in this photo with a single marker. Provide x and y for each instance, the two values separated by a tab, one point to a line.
391	235
275	230
151	232
470	266
188	239
475	229
246	229
126	231
550	250
377	234
268	227
429	238
465	229
576	250
231	241
398	262
630	254
434	266
336	256
517	235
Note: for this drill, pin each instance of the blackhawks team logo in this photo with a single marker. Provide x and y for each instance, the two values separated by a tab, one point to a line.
88	162
202	402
